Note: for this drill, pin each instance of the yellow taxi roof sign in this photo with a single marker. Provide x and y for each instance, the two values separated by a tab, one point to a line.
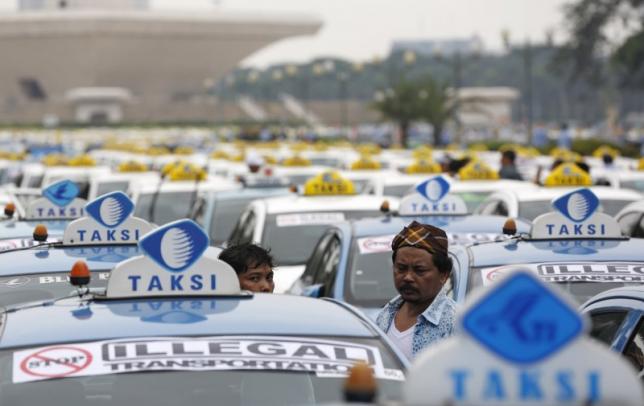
477	170
478	147
269	159
156	151
369	149
187	171
423	166
82	160
564	154
296	160
640	164
568	174
606	150
132	166
422	152
219	154
183	150
365	163
329	183
528	152
54	160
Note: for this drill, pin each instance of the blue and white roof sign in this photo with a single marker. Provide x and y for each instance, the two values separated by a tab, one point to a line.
432	197
176	248
576	216
60	201
522	322
521	342
175	264
109	222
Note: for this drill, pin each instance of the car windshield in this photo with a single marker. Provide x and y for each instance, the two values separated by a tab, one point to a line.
168	206
292	237
369	281
473	199
108	187
533	209
636	184
581	291
397	190
225	216
206	379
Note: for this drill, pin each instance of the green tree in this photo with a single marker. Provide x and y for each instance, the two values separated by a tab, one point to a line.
418	100
590	21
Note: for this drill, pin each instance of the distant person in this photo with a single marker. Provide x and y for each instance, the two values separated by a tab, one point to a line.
540	137
609	161
422	313
565	137
508	167
253	265
254	162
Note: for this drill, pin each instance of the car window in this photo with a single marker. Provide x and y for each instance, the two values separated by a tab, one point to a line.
488	207
606	324
627	222
638	232
634	351
165	207
315	260
227	213
329	268
501	209
243	232
35	181
108	187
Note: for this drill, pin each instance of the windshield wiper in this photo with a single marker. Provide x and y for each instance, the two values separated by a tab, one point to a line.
41	245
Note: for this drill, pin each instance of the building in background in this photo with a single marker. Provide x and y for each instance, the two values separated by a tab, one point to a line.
96	61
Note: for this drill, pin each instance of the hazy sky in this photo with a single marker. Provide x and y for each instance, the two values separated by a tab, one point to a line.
362	29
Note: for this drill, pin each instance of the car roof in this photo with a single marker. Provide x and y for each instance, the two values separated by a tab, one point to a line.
57	259
626	292
458	186
549	193
185	186
473	224
260	314
526	252
302	204
25	229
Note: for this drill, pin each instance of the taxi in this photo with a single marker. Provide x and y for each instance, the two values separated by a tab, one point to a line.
352	261
175	194
106	233
173	327
55	206
528	204
219	211
617	317
291	225
575	246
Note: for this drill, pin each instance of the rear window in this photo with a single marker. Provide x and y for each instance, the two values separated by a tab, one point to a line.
165	207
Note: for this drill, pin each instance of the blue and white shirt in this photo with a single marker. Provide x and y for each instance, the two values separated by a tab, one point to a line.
434	324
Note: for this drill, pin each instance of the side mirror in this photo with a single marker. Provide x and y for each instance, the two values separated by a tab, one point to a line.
315	291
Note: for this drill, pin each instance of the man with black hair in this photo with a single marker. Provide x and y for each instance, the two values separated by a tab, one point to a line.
423	313
508	167
253	265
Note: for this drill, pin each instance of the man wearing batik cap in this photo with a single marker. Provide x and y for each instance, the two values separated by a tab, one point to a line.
423	313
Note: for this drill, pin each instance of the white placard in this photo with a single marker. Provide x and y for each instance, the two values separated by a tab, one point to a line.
303	219
295	354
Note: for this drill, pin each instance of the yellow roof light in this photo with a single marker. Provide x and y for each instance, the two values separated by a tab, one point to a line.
568	174
478	147
187	172
365	163
328	184
477	170
219	154
423	166
54	160
132	166
183	150
640	164
606	150
296	160
422	152
156	151
82	160
369	149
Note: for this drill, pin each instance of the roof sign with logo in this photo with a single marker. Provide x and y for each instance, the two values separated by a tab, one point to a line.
575	217
60	201
477	170
432	197
328	184
521	343
568	174
109	222
173	264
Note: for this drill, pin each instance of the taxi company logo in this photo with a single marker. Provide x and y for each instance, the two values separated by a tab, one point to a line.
577	206
521	321
175	246
61	193
175	317
433	189
110	210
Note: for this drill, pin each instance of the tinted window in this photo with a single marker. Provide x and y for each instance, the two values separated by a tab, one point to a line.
473	199
634	351
167	206
35	181
293	245
633	184
605	325
224	218
396	190
370	281
628	221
